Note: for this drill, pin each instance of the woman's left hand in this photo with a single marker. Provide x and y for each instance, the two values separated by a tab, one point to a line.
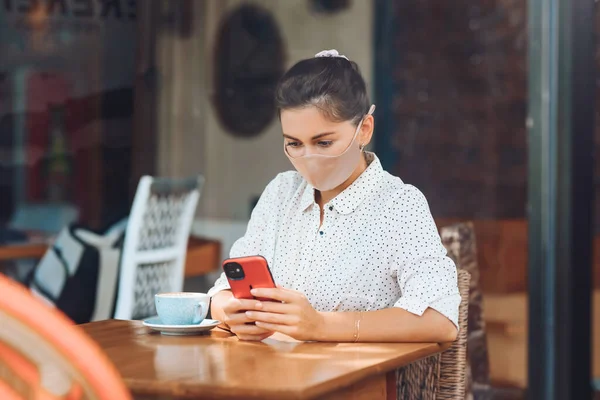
290	313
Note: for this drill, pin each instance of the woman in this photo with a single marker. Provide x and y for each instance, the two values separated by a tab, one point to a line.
355	250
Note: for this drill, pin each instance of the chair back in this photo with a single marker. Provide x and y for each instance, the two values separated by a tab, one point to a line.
459	240
43	355
441	376
453	362
155	245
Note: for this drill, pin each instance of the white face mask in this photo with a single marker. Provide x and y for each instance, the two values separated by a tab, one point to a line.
325	172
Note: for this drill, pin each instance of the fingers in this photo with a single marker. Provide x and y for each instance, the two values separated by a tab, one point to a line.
235	305
280	319
285	295
289	290
248	330
285	329
254	338
255	320
239	318
239	323
273	307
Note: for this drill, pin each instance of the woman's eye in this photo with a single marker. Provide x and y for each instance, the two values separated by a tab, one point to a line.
293	144
325	143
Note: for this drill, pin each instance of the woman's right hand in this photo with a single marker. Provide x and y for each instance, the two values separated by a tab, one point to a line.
233	314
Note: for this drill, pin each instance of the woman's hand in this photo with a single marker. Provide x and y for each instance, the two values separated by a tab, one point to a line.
290	313
239	323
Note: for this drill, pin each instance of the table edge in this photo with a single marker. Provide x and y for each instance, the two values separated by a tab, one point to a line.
143	387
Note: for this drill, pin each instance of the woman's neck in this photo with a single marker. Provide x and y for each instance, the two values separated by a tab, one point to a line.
325	197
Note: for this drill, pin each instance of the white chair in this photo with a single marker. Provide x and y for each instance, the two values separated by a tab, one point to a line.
153	255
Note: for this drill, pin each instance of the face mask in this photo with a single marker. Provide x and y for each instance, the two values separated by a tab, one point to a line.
326	172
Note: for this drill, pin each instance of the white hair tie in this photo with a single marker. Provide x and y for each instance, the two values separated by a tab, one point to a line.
330	53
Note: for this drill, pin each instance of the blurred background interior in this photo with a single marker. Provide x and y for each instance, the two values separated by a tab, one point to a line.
94	95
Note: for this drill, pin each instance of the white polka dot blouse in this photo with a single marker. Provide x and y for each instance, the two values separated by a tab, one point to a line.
378	246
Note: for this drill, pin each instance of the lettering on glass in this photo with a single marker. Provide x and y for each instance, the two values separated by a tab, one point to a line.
99	9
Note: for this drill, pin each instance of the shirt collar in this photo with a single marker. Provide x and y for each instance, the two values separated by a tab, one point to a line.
348	200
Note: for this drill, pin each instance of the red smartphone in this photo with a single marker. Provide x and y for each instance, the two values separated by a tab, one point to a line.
247	273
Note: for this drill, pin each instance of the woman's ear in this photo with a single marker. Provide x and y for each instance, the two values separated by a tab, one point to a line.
366	130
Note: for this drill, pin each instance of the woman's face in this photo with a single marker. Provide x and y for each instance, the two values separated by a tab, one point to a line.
308	131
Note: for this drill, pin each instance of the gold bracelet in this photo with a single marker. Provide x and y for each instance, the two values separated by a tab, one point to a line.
357	327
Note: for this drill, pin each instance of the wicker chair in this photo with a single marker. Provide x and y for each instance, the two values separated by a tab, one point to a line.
459	240
441	376
453	362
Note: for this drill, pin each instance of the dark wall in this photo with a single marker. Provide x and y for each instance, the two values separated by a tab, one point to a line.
459	104
458	93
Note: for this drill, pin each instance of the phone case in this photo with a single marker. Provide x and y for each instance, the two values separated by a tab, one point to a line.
257	275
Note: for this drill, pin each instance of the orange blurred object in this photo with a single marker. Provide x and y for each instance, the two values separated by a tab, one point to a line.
44	355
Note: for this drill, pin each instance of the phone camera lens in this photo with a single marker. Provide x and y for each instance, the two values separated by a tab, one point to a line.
234	271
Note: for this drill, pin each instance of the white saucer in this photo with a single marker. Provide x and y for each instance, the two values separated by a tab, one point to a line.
155	323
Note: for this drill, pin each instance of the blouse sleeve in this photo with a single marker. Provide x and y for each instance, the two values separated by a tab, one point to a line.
257	237
426	276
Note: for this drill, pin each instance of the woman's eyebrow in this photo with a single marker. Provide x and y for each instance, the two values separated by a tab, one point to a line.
318	136
290	137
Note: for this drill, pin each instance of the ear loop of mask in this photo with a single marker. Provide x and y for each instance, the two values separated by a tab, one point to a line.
370	112
361	146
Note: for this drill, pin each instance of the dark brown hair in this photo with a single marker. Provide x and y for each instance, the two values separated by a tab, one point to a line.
332	84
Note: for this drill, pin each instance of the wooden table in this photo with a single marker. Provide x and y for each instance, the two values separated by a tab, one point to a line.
203	255
219	366
20	251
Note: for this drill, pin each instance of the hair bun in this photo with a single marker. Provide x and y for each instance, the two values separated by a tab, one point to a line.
330	53
335	87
